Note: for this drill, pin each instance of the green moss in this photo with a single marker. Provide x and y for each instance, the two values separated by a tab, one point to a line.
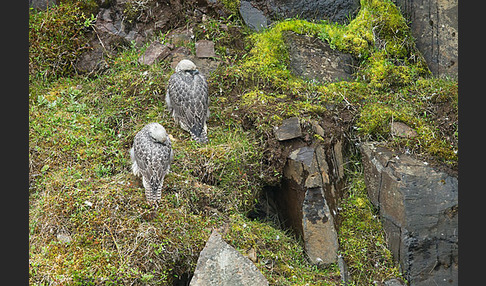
384	72
412	105
355	38
280	257
269	55
260	97
232	5
375	120
362	238
378	36
378	24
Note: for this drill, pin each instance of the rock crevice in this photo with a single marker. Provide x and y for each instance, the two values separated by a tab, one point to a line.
311	186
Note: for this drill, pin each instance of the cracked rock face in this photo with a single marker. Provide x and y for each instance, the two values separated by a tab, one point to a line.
314	60
220	264
320	236
308	196
339	11
419	210
434	24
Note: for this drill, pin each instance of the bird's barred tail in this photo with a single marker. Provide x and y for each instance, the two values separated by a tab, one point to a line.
153	191
153	195
202	138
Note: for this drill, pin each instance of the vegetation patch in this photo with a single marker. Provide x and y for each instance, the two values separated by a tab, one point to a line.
279	255
392	82
232	5
429	106
57	37
361	237
89	222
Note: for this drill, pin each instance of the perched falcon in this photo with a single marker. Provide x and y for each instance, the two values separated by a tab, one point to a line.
188	101
151	156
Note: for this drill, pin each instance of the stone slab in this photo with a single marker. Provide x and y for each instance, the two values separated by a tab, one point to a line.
418	206
220	264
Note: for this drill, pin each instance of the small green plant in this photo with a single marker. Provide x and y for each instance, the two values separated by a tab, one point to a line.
88	21
134	9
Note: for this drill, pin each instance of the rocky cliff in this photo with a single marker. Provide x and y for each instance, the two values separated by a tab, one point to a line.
419	210
295	102
435	28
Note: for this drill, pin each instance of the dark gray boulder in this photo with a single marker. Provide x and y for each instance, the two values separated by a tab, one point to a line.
313	59
418	206
253	18
434	25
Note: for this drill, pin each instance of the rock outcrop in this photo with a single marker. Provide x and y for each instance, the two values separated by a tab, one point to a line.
289	129
308	196
110	33
156	52
303	204
114	28
259	14
313	59
418	206
221	264
339	11
252	17
434	25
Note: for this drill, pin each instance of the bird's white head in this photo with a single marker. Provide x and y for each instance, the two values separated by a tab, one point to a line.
158	133
185	65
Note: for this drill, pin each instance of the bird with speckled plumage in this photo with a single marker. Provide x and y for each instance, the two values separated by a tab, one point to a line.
151	156
188	100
